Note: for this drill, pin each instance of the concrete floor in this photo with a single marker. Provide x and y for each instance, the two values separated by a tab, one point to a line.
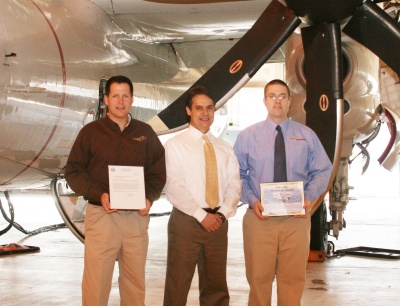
53	275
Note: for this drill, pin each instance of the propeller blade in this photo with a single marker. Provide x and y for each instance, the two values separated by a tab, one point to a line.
324	86
237	66
377	31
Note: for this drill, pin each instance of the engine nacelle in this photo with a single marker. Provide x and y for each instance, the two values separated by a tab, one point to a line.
361	89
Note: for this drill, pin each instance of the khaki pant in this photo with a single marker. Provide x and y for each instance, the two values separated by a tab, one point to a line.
277	247
118	236
189	244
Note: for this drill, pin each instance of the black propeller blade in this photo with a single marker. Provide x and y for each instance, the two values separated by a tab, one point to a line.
374	29
237	66
324	87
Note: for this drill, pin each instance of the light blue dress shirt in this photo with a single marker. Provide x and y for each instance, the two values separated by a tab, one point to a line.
306	159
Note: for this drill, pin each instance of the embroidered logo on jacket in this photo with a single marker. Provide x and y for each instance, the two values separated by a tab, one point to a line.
141	138
298	139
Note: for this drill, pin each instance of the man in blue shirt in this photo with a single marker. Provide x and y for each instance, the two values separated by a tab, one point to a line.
278	246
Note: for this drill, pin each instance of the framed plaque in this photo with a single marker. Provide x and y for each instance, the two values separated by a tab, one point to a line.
282	199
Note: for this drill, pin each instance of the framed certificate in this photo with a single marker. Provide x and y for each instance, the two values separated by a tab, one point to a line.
282	199
127	189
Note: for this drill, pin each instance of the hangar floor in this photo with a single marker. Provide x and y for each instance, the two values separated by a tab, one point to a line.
53	275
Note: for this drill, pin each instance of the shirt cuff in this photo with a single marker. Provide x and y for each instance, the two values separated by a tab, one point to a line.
200	214
252	200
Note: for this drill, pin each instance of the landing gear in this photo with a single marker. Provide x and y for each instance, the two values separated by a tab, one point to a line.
71	207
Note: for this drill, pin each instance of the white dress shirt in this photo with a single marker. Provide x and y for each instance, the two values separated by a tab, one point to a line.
185	187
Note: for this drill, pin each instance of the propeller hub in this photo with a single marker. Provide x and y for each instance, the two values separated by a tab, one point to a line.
316	11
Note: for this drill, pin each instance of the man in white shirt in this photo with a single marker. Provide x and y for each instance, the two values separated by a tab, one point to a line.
197	232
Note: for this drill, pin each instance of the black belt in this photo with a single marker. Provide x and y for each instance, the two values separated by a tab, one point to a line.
212	210
101	205
95	203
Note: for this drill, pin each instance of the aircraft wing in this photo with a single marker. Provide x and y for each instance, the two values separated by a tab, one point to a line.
200	32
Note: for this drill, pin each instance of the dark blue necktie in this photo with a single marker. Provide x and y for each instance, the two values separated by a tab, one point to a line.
279	157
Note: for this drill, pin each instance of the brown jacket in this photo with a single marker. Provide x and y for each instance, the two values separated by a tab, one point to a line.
101	143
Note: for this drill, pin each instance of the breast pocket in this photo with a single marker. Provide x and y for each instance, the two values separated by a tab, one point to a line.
299	161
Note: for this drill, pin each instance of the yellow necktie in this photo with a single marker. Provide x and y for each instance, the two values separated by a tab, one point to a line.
212	196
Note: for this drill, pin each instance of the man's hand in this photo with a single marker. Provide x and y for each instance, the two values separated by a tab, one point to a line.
211	222
105	202
258	209
145	211
306	210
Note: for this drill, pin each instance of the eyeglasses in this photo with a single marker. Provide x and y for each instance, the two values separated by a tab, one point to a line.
274	97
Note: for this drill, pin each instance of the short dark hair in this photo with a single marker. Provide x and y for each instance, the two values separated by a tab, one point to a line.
120	79
197	90
277	82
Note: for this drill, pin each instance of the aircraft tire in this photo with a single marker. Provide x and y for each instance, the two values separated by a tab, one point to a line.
319	234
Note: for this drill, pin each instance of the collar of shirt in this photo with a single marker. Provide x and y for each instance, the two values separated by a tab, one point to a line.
113	124
129	119
271	125
197	135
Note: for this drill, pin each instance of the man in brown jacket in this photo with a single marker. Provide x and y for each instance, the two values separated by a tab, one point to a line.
112	234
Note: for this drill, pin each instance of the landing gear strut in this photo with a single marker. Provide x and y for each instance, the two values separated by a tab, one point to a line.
71	207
